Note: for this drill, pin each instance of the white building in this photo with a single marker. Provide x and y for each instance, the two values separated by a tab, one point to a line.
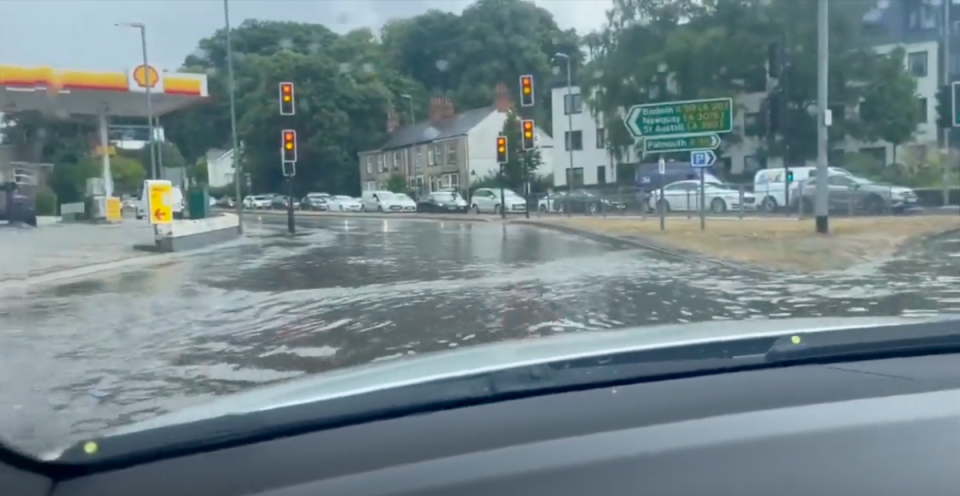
447	150
593	165
219	168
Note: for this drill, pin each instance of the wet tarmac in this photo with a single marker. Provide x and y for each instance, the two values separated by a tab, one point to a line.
82	357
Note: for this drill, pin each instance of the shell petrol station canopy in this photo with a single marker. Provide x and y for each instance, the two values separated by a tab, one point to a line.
48	90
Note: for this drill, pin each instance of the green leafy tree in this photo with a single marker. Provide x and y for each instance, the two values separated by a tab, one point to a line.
890	109
397	183
128	174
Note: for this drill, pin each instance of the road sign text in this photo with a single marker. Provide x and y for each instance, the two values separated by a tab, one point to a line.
681	118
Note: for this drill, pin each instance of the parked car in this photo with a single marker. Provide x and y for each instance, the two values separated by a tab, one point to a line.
851	193
442	201
318	202
583	201
386	201
280	202
257	202
487	200
684	196
549	201
344	203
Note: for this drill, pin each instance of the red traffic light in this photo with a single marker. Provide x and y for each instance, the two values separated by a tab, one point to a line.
527	83
287	90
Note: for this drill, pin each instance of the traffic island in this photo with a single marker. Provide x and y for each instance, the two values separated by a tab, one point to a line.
773	243
182	235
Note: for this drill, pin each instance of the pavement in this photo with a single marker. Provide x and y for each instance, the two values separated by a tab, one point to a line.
85	356
31	252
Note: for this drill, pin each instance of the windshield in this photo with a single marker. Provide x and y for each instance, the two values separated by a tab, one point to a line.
113	314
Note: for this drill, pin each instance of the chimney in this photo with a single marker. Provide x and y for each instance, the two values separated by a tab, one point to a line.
436	109
448	110
501	98
393	120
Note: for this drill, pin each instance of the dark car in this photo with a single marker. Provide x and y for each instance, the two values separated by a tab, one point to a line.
314	202
15	207
442	201
583	201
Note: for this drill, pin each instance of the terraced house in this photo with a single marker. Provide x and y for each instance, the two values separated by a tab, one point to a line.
448	150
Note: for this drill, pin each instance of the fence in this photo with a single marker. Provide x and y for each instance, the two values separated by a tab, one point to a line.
744	200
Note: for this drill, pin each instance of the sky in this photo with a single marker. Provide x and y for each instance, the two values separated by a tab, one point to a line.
81	34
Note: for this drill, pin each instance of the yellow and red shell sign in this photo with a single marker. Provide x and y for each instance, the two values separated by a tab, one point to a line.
136	80
146	76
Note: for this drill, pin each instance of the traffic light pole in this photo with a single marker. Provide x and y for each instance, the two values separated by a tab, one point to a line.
823	66
291	226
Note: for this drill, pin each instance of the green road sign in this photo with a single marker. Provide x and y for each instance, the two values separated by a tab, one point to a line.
681	144
694	117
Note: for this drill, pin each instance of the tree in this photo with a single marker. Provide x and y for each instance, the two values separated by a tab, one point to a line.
128	174
397	183
521	164
717	48
890	110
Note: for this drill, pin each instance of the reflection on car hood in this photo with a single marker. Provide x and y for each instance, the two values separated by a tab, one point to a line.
496	356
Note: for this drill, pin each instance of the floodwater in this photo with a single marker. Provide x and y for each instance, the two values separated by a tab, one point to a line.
81	358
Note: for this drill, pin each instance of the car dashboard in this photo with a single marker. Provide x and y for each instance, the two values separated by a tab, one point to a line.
880	427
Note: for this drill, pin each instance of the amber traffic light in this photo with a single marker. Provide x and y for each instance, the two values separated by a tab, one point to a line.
287	102
526	130
526	90
501	149
289	150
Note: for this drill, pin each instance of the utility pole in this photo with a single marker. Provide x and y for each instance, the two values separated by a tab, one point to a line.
231	83
946	81
823	67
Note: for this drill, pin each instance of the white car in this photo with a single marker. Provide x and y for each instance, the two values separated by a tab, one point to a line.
344	203
487	200
257	202
684	196
385	201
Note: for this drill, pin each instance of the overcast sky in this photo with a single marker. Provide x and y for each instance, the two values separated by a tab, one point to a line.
80	34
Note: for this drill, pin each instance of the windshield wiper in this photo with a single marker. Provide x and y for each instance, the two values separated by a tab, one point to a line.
610	369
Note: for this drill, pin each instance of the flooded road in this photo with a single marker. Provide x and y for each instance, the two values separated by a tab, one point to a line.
82	357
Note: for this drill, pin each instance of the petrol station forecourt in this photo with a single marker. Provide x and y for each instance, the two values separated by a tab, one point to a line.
99	94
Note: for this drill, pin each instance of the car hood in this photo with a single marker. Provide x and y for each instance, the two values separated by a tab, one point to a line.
498	356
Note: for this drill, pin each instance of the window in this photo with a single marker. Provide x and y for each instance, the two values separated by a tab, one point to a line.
419	159
431	156
750	124
577	104
370	186
451	181
922	115
369	160
577	173
380	162
681	186
577	140
451	153
923	17
601	138
917	64
601	174
396	160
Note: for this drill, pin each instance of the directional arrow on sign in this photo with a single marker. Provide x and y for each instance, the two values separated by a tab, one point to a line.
158	214
681	144
702	158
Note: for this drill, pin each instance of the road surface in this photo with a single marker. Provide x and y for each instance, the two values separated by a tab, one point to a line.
82	357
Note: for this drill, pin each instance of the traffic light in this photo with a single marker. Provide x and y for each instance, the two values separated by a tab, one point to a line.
526	130
526	90
501	149
289	149
789	177
287	101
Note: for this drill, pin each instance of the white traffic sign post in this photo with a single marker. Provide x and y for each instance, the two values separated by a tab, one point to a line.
702	159
662	169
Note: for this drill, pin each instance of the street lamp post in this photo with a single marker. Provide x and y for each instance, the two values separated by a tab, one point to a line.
568	141
233	116
146	71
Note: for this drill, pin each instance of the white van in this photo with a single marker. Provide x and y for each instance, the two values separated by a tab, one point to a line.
770	185
177	203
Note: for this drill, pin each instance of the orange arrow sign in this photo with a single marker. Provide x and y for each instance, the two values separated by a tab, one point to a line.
158	214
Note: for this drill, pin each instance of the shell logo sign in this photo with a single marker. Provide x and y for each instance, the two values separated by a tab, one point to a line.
146	76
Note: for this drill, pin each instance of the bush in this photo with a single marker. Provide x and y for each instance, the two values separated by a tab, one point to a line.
46	203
